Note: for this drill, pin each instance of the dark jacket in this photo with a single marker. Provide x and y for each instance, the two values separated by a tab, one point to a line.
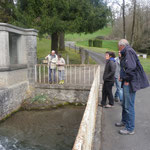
109	72
132	70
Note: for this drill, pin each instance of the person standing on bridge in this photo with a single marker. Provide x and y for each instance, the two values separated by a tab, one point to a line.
109	79
133	78
119	92
52	59
61	69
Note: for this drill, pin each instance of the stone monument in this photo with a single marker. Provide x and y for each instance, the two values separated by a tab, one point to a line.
17	66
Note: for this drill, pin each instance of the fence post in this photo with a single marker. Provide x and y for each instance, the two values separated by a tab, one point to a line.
48	73
44	73
67	57
35	73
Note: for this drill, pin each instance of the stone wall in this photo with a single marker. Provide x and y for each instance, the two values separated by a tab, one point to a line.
60	94
11	98
8	78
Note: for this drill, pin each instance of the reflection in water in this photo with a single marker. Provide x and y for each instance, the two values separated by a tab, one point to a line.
41	130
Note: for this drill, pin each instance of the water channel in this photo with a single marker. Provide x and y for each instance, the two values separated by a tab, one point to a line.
41	130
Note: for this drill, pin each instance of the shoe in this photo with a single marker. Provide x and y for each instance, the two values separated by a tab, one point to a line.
119	124
50	82
126	132
62	82
101	105
108	106
116	99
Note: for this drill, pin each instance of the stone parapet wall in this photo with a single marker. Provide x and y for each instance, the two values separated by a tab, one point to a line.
11	98
61	94
84	139
18	30
12	77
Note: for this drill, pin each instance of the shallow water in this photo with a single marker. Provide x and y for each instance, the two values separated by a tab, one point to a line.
41	130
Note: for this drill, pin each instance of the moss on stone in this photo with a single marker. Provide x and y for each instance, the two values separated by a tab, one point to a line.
9	115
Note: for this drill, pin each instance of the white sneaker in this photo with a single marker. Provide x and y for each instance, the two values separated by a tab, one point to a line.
108	106
119	124
126	132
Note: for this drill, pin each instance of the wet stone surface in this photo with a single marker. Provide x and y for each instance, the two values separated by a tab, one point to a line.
41	130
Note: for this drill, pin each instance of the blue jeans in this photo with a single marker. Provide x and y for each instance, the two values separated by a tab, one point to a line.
52	72
119	90
61	74
128	114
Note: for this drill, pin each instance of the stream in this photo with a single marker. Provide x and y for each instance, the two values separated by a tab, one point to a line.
41	130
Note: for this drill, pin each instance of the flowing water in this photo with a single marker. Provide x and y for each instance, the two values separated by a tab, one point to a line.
41	130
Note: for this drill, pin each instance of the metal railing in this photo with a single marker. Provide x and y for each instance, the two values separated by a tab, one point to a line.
87	127
74	74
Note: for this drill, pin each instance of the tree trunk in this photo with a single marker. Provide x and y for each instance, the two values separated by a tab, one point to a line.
54	42
61	41
133	24
124	23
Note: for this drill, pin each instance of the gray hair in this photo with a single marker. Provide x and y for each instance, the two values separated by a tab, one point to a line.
53	51
123	42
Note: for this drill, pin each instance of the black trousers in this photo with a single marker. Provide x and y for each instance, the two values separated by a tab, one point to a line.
107	92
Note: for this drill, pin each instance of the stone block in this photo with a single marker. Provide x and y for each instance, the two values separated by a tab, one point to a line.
11	98
12	77
71	95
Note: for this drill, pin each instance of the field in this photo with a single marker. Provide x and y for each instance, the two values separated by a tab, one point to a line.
84	37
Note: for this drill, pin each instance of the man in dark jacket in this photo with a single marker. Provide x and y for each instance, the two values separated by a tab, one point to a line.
109	79
133	78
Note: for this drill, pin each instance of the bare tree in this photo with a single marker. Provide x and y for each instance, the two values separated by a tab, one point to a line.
124	22
133	24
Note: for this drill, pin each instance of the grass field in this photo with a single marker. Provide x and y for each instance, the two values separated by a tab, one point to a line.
84	37
110	45
146	64
43	47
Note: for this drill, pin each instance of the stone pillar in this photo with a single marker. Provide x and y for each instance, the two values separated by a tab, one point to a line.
31	44
4	50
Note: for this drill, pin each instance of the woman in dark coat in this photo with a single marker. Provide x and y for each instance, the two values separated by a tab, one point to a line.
109	79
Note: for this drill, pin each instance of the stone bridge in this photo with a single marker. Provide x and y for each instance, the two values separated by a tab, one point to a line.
21	78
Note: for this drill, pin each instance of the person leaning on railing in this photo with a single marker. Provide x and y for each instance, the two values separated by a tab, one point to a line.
109	78
61	69
52	59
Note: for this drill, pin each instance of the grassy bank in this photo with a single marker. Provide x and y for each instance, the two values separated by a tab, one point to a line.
85	37
146	64
110	45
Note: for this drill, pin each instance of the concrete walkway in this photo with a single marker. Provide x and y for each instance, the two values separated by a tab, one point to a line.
111	139
107	137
